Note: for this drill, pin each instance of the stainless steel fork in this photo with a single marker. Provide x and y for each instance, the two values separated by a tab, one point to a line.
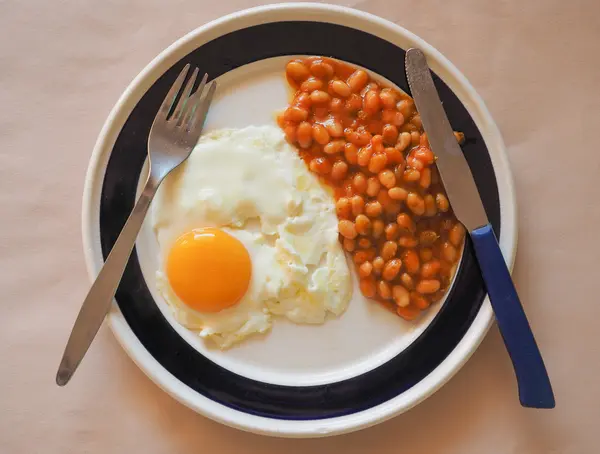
171	140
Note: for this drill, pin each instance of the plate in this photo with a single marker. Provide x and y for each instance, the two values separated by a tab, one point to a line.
297	381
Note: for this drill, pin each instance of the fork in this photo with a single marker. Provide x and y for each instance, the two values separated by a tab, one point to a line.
171	140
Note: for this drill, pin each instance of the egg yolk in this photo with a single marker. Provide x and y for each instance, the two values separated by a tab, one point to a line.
208	269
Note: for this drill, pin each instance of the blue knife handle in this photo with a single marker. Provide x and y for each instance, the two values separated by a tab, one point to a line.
534	385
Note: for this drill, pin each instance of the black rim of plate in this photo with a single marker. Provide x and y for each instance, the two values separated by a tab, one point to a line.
391	379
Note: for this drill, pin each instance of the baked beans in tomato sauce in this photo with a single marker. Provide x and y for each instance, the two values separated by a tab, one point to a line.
366	141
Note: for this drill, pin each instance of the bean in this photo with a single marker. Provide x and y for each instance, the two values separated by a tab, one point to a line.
363	224
388	250
364	156
373	209
425	155
334	128
405	222
405	107
412	175
321	69
411	261
398	193
391	231
362	138
295	114
424	142
353	103
456	234
425	180
343	208
340	88
368	287
408	127
384	290
335	146
320	166
404	140
428	237
312	84
361	256
365	269
390	134
290	133
373	186
358	205
408	313
351	153
416	203
359	182
392	117
425	254
297	71
391	269
401	296
303	100
416	120
414	163
357	80
304	134
336	105
347	229
378	264
387	178
419	300
460	137
349	244
378	227
319	97
394	156
364	243
384	199
415	138
430	269
442	202
320	134
371	102
408	241
430	207
388	98
427	286
377	162
407	281
339	170
449	252
377	143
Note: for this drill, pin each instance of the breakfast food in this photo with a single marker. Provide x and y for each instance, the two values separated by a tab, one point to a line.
366	141
246	231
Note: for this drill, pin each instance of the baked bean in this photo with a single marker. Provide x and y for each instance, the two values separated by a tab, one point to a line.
368	287
424	141
362	224
425	254
414	163
336	105
408	127
403	142
373	186
364	156
351	153
340	88
371	102
304	134
427	286
303	100
391	231
384	199
319	97
320	134
460	137
415	138
359	182
384	290
295	114
405	222
364	243
408	241
449	252
363	136
357	80
378	227
411	261
408	313
377	143
312	84
425	155
398	193
391	269
347	229
392	117
349	244
378	264
430	206
430	269
290	133
419	301
411	175
390	134
297	71
353	103
343	208
335	146
425	180
401	296
456	234
361	256
334	128
321	69
339	170
416	120
428	237
407	281
405	107
387	178
320	165
416	203
442	202
377	162
388	98
373	209
388	250
394	156
365	269
358	205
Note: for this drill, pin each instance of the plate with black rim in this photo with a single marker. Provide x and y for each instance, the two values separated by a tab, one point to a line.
374	365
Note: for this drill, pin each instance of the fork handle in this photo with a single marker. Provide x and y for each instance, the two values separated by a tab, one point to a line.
98	300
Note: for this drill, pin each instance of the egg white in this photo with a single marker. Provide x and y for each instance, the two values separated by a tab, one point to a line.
252	184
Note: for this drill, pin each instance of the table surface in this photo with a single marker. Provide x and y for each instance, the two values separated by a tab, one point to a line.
62	67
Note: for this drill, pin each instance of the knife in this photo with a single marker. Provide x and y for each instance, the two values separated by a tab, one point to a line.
534	385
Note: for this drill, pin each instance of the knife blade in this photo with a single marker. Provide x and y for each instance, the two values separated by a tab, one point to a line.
534	385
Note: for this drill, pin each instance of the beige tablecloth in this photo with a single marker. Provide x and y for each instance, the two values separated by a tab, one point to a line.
62	67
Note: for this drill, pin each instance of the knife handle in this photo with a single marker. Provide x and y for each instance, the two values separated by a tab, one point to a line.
534	385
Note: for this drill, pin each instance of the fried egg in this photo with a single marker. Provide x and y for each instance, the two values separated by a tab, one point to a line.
246	232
